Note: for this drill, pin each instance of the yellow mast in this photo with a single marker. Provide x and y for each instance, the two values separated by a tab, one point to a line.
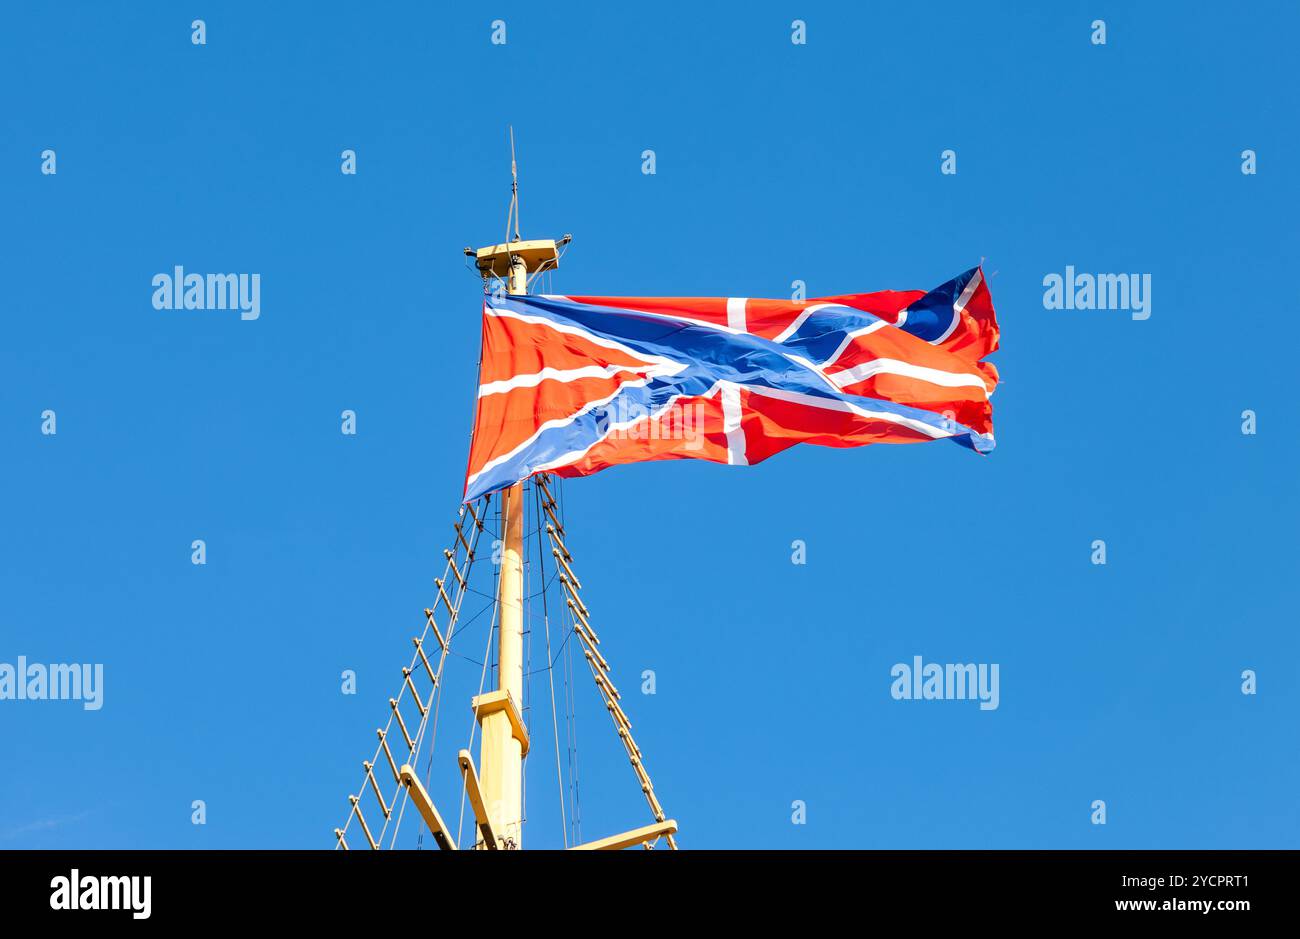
500	714
496	795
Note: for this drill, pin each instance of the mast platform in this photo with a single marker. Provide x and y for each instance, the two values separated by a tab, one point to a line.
538	255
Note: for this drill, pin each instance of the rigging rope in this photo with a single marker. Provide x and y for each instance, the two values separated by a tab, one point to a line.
419	658
473	727
550	670
436	696
579	617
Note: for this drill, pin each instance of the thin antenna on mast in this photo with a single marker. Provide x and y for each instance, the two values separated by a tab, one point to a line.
514	187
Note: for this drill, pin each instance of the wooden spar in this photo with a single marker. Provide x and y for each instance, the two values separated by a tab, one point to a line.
475	792
629	838
427	810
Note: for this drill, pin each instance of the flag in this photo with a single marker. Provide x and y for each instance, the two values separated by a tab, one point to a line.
572	385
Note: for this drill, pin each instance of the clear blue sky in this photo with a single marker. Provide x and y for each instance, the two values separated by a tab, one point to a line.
1118	682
